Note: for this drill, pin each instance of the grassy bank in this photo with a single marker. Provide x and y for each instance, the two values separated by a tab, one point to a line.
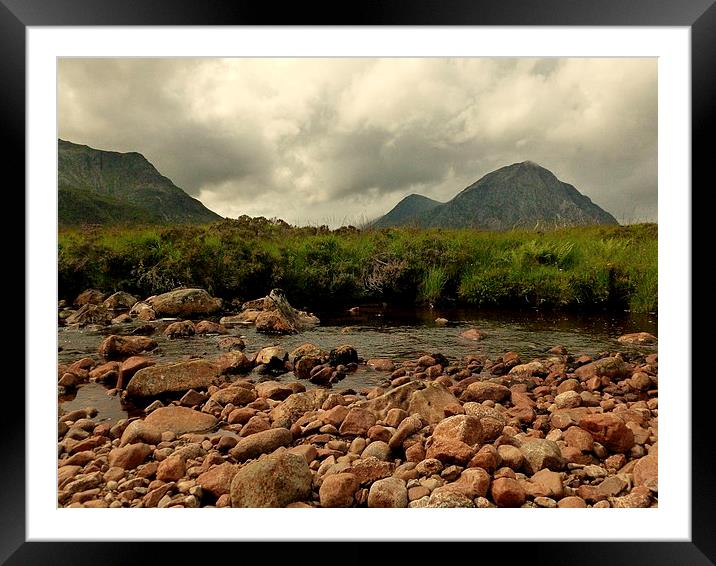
590	267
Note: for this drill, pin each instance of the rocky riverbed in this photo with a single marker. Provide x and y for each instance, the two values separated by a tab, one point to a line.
279	428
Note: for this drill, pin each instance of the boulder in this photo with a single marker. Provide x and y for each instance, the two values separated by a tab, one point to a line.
180	420
217	480
90	314
338	490
485	391
184	303
614	368
129	457
272	356
230	343
115	346
261	443
89	297
272	481
273	322
398	398
430	403
640	338
120	301
143	311
180	329
389	492
472	334
343	355
609	430
540	453
208	327
173	378
507	492
295	406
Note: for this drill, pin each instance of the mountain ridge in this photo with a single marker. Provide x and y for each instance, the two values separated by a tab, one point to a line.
520	195
109	187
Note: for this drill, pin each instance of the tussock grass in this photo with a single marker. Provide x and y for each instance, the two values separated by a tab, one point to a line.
587	267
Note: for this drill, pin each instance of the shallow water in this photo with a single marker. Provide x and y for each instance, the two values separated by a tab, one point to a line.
378	331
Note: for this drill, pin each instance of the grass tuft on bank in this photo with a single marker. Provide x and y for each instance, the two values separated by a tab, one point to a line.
585	267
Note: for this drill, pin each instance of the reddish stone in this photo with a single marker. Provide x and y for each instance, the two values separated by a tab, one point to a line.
507	492
338	490
609	430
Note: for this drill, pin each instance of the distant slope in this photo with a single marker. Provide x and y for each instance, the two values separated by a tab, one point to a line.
406	211
107	187
521	195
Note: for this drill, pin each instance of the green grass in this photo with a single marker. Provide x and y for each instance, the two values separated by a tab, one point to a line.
588	267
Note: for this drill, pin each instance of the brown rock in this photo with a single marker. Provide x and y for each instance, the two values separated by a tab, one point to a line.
184	303
614	368
357	422
338	490
473	334
491	420
273	390
370	469
129	457
297	405
114	346
180	420
208	327
140	431
261	443
397	398
430	403
90	297
462	428
572	502
579	438
646	472
547	484
507	492
172	468
217	481
234	395
609	430
272	481
640	338
381	364
484	391
388	492
540	453
473	482
178	377
229	343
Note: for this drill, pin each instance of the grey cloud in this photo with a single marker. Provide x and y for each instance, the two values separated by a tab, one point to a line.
301	139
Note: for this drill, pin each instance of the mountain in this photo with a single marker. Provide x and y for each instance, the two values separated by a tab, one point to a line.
108	187
521	195
407	211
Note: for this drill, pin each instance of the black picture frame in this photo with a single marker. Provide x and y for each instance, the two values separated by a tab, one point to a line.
699	15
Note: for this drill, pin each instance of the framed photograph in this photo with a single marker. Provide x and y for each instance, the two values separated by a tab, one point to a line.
227	207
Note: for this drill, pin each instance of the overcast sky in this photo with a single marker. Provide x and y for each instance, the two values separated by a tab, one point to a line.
338	141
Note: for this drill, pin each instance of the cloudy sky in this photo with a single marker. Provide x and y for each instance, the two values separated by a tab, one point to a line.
340	141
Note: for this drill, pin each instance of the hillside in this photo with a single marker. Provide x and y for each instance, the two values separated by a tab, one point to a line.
406	211
108	187
521	195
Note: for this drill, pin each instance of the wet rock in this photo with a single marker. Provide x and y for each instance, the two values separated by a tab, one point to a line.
185	303
540	453
430	403
180	420
114	346
217	480
180	329
129	457
178	377
338	490
507	492
342	355
272	356
273	322
610	430
272	481
261	443
388	492
381	364
485	390
143	311
473	334
89	297
230	343
208	327
90	314
120	301
641	338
